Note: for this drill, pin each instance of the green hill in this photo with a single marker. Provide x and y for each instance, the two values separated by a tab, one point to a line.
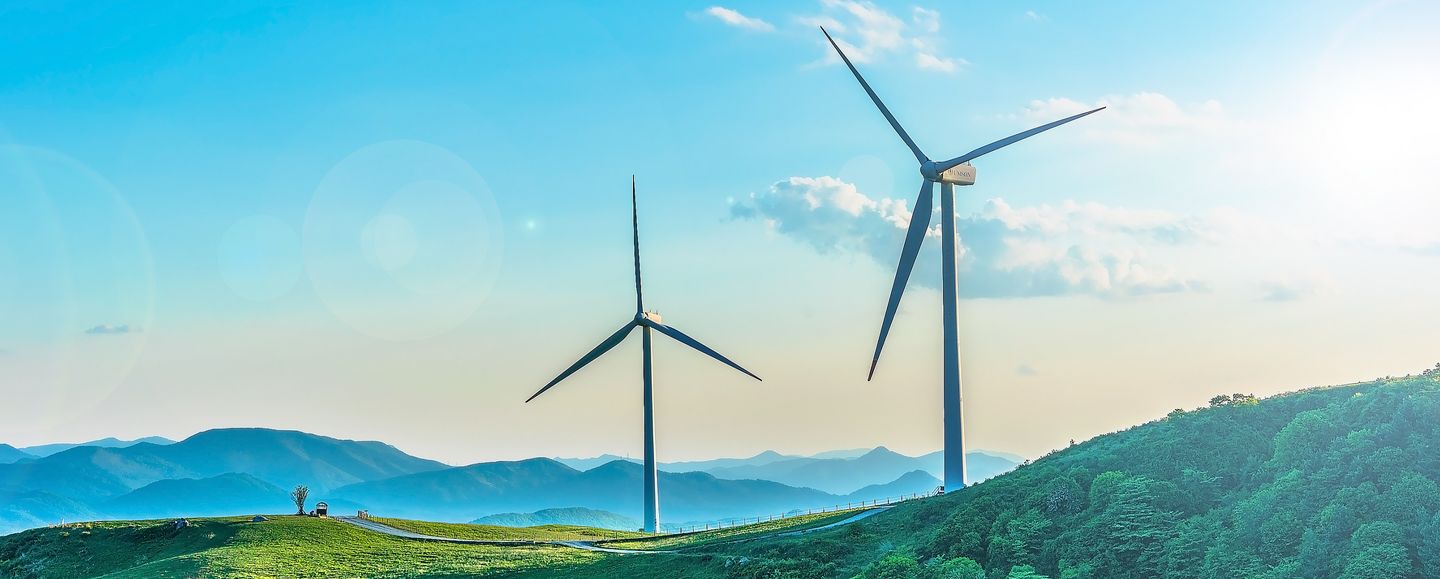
285	546
1332	482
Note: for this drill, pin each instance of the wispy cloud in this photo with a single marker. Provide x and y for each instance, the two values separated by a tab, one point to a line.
1292	290
110	330
1044	250
1140	119
1026	370
1034	16
868	33
738	20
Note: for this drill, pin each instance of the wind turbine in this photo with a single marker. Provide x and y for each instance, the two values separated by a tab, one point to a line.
957	171
646	321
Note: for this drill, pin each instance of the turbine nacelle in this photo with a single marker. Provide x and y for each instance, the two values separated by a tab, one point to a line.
962	174
650	316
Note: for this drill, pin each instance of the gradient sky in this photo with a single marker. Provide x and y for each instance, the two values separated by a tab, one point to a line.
397	221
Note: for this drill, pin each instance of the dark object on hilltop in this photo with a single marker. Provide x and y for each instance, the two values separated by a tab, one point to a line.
181	523
258	519
322	510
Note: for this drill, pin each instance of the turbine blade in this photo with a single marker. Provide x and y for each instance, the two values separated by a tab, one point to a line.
702	348
1010	140
635	222
600	350
919	223
919	156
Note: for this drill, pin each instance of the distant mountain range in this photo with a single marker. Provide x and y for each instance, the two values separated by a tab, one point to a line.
9	454
251	470
463	493
567	516
836	472
766	457
226	494
90	481
44	450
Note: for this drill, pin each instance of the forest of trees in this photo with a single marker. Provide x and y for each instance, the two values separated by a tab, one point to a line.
1327	482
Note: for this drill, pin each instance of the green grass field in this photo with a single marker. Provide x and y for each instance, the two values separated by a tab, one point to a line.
290	546
498	533
717	536
284	546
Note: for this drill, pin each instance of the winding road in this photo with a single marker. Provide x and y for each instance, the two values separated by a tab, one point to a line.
373	526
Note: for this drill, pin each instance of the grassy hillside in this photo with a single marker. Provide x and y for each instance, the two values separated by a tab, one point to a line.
235	547
501	533
1335	482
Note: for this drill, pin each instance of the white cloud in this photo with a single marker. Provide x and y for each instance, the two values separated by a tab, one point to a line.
878	33
1033	15
1295	288
928	21
931	62
736	19
1006	251
1140	119
110	330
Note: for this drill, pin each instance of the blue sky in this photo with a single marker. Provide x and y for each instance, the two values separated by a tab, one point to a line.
289	216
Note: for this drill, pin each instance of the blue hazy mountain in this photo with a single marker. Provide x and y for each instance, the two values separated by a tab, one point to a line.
915	481
836	471
248	470
82	481
766	457
226	494
468	492
29	509
9	454
594	461
566	516
877	466
843	453
109	442
282	458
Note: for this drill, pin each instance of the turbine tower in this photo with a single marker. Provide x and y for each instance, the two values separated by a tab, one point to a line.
957	171
646	321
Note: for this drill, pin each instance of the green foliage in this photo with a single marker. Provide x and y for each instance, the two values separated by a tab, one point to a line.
893	566
958	568
1024	572
1326	482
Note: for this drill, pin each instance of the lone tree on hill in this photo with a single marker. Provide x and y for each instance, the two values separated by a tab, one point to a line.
299	495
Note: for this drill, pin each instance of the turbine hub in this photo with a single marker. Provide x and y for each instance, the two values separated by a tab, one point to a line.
929	172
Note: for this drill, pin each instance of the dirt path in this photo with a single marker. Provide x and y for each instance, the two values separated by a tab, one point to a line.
584	545
394	532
